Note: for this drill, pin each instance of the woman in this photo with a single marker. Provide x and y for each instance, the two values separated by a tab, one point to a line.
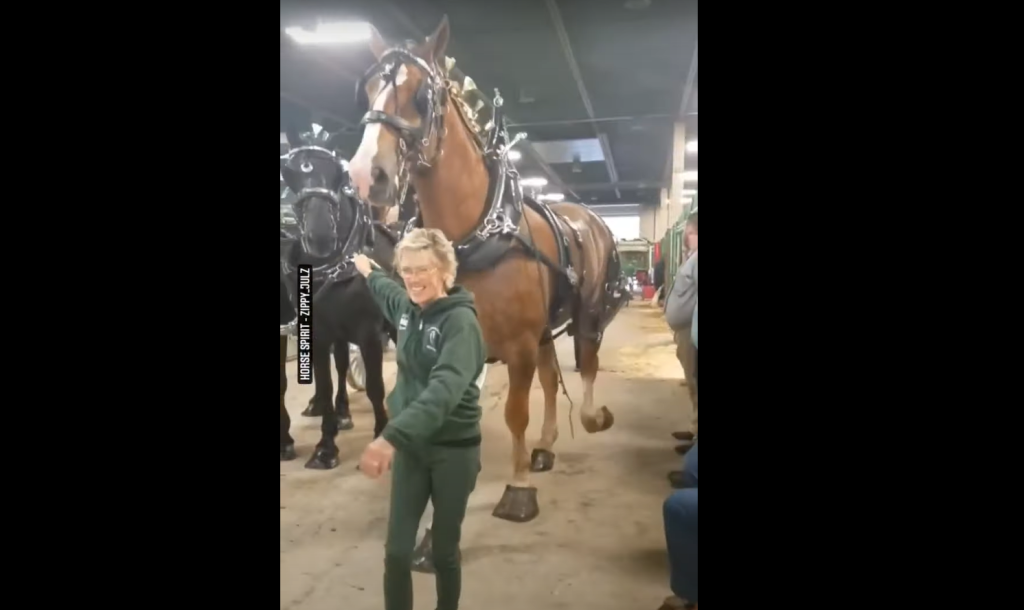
432	442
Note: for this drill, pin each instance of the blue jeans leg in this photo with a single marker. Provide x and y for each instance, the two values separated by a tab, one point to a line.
680	513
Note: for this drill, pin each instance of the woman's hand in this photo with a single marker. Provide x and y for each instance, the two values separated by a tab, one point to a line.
363	264
376	458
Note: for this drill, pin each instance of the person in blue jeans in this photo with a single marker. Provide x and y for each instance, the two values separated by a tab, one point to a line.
680	514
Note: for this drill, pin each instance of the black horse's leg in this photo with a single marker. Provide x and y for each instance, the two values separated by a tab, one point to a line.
315	406
287	442
325	456
341	396
372	348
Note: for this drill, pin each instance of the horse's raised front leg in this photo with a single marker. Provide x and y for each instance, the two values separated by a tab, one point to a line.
543	458
519	502
287	442
325	456
594	420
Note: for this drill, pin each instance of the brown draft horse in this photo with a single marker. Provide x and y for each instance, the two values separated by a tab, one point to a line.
531	271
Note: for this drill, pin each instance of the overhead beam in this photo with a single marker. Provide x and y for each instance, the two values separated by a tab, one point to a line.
608	186
460	76
611	119
691	72
570	58
312	108
295	52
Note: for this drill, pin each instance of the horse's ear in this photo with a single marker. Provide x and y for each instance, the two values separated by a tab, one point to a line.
434	47
377	44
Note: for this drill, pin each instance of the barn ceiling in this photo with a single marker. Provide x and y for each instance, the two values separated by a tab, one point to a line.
601	81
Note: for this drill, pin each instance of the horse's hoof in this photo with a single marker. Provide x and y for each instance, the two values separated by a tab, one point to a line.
288	453
345	423
517	504
683	436
592	426
311	410
423	556
323	460
542	460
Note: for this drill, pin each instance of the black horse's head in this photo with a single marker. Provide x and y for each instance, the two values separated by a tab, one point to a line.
319	178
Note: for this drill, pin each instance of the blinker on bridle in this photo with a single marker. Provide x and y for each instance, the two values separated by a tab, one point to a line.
306	167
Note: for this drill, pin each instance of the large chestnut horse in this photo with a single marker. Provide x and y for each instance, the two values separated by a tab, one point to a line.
531	270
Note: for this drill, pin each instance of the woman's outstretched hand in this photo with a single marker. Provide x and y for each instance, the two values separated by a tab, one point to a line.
376	458
363	264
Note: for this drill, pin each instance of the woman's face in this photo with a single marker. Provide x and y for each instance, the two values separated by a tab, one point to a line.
421	273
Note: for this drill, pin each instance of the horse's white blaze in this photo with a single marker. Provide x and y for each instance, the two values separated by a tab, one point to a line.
362	162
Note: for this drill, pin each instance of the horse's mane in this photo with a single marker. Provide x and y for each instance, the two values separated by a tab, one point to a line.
475	109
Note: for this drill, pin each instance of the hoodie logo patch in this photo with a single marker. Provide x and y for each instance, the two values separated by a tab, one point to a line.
432	336
404	322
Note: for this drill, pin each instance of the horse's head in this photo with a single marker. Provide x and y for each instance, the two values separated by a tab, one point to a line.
318	178
404	96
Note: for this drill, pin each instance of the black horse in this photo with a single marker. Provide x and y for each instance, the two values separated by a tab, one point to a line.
333	226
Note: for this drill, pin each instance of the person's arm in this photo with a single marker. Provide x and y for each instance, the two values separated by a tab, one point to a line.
680	302
458	362
389	295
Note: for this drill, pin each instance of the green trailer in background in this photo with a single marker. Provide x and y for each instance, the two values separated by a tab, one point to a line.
673	244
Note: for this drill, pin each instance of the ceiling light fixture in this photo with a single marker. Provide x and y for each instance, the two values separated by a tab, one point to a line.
691	146
514	155
690	176
342	32
535	181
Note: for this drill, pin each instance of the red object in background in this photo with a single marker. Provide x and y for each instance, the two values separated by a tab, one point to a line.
648	292
657	252
641	276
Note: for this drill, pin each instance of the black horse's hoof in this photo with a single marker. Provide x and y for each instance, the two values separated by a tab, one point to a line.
542	460
345	423
423	556
323	460
312	410
288	453
517	504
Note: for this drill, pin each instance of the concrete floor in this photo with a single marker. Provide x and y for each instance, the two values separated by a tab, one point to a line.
598	542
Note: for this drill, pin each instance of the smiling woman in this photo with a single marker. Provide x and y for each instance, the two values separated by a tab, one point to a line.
432	442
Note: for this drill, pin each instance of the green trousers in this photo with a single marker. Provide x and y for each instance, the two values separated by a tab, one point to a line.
446	476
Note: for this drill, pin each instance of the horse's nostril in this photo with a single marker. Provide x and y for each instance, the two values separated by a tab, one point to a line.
378	175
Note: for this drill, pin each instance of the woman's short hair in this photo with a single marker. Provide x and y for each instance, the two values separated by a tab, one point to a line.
433	241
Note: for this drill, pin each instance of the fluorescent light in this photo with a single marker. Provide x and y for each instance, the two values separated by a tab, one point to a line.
331	33
691	146
551	197
690	176
537	181
514	155
687	200
687	192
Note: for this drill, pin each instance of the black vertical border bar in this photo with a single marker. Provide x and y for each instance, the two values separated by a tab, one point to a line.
305	320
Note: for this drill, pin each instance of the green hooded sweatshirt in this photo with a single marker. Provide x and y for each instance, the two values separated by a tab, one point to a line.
441	352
